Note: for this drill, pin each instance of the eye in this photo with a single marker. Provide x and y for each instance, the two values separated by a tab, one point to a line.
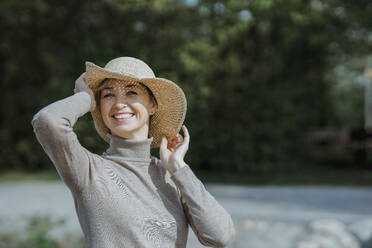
108	95
131	93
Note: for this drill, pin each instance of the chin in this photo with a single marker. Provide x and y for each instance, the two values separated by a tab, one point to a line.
123	132
126	132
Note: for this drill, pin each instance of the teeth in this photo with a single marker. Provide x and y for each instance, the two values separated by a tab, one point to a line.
123	116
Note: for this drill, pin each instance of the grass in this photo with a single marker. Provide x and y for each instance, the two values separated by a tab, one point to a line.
38	234
309	175
11	176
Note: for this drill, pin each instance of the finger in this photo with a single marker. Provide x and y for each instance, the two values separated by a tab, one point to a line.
176	140
179	138
186	135
164	152
163	146
164	142
171	143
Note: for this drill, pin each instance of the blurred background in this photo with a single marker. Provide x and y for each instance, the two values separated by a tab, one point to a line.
279	94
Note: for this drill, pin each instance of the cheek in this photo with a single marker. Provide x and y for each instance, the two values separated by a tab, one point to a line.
140	107
146	102
105	107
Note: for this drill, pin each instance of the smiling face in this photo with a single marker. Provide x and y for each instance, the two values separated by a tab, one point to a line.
126	108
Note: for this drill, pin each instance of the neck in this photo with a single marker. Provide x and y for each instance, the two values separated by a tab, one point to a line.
129	148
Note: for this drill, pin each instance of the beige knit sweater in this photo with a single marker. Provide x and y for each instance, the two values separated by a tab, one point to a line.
126	197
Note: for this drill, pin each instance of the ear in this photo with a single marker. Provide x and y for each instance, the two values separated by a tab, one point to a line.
153	108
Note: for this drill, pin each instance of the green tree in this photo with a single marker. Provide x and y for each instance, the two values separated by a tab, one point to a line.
257	73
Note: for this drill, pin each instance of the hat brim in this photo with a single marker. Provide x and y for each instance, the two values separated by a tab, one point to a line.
170	98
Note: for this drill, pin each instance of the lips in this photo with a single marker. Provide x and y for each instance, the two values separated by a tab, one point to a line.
122	115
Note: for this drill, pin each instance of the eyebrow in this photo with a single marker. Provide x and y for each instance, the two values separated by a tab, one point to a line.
130	85
110	88
106	88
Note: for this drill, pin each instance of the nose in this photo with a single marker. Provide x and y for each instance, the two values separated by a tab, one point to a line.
120	103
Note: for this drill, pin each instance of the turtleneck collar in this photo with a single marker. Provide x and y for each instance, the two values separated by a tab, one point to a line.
133	149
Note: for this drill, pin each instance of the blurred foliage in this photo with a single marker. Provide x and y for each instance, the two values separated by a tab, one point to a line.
257	74
38	234
49	174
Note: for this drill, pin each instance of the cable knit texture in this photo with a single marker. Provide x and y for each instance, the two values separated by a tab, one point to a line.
126	197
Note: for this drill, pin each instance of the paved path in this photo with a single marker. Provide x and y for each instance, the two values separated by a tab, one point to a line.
295	205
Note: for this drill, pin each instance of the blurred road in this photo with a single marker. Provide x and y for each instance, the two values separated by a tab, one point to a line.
296	205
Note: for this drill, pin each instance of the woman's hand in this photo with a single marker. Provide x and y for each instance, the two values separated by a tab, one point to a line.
81	86
173	152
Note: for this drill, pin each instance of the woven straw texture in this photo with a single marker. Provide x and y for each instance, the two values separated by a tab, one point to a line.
171	100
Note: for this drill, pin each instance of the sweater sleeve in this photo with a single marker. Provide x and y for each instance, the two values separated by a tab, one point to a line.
210	222
53	127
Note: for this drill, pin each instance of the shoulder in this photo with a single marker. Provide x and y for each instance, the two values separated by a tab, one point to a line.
94	157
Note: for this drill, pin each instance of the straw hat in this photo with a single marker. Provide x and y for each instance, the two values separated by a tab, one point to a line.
170	98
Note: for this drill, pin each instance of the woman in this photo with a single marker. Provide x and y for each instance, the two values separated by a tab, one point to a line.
126	197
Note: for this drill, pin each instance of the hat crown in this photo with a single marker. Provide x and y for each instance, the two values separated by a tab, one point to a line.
131	67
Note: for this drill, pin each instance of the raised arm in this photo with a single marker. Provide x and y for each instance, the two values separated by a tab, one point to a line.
210	222
53	127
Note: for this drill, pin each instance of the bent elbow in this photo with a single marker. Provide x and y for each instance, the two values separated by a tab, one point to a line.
225	237
40	118
43	120
220	238
218	241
